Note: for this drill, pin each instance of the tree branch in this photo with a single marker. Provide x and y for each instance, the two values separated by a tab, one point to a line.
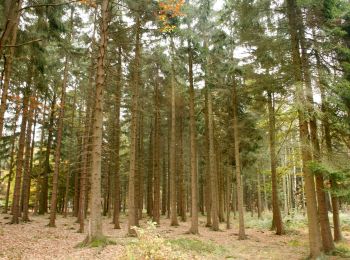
45	5
25	43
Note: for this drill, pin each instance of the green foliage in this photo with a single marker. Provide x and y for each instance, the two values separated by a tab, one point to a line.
150	245
198	246
342	250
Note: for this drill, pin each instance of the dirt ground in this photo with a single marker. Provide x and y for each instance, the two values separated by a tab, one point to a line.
34	240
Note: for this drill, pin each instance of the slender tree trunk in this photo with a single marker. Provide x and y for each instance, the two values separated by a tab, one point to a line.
259	196
156	159
8	66
132	220
277	218
208	195
117	142
13	143
19	165
53	205
193	146
241	233
173	212
328	141
44	182
27	156
95	221
213	168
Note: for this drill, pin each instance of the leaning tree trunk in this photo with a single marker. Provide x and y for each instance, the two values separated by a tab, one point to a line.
277	218
241	233
95	221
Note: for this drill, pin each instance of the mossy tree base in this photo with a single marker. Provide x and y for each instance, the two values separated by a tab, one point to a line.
100	241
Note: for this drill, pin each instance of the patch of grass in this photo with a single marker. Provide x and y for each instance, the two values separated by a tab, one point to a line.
294	243
342	250
197	246
96	242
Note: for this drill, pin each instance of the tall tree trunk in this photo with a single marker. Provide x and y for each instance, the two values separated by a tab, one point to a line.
328	141
8	67
95	221
156	159
27	156
19	165
208	195
44	182
132	219
326	233
117	200
12	159
213	168
277	218
173	212
11	18
241	233
53	205
311	203
193	146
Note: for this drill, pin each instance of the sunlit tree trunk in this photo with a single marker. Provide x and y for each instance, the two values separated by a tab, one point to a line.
95	221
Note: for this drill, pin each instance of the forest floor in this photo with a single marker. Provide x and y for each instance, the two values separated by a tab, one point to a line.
34	240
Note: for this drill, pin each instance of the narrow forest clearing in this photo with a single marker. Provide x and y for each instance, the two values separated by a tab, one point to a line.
35	240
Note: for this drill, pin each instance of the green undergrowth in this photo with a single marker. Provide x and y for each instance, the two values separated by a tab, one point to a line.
198	246
96	242
342	249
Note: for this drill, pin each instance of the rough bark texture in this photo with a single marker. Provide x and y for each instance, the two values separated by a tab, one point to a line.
95	221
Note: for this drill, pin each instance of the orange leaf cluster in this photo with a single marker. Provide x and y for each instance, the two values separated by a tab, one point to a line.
90	3
169	9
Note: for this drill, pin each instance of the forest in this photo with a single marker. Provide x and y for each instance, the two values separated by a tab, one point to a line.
174	129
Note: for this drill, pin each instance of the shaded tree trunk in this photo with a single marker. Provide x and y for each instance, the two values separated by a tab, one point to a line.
241	233
277	218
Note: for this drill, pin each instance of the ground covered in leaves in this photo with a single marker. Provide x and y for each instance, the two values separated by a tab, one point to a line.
34	240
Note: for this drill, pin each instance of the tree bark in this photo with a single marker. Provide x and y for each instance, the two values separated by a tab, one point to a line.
277	218
53	205
241	233
132	219
19	165
173	211
95	221
311	203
